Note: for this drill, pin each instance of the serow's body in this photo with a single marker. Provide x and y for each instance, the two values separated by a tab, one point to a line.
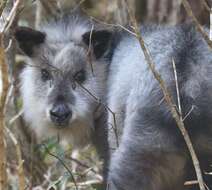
152	154
69	73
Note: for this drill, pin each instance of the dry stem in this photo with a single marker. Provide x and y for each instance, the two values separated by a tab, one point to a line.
194	19
3	174
204	3
21	177
2	6
64	165
5	83
99	101
169	100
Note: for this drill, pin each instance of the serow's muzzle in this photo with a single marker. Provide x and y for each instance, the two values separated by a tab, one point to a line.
60	114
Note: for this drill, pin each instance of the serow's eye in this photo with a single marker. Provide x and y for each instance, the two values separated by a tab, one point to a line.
45	75
80	76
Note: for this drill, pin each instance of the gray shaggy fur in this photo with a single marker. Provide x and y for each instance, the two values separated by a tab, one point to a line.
60	50
152	154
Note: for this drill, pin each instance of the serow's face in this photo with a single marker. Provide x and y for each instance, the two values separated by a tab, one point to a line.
62	80
65	99
62	83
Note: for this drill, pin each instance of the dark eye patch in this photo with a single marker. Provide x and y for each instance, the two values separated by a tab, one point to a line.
80	76
45	75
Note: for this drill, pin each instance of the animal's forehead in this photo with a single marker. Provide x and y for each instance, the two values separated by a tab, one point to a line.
67	57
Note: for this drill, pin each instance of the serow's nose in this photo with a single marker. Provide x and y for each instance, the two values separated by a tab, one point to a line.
60	114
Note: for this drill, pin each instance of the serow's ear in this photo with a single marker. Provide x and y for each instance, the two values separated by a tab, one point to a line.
28	39
99	40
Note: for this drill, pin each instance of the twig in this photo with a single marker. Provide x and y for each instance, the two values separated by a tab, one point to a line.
205	4
89	52
13	119
169	100
194	182
3	175
192	108
210	35
99	101
82	164
21	177
2	6
198	26
96	175
13	13
49	10
188	183
4	70
78	5
114	25
9	46
86	183
177	88
64	165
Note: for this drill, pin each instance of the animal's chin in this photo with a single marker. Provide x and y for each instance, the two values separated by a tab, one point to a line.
56	124
72	123
60	126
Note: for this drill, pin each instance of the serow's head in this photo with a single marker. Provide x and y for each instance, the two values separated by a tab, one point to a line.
63	79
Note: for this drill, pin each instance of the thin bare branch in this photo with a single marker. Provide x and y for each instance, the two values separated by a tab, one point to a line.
64	165
3	175
194	19
21	176
210	35
169	100
205	4
89	52
50	8
190	111
99	101
13	13
188	183
2	6
83	165
177	88
78	5
18	115
4	72
85	183
114	25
